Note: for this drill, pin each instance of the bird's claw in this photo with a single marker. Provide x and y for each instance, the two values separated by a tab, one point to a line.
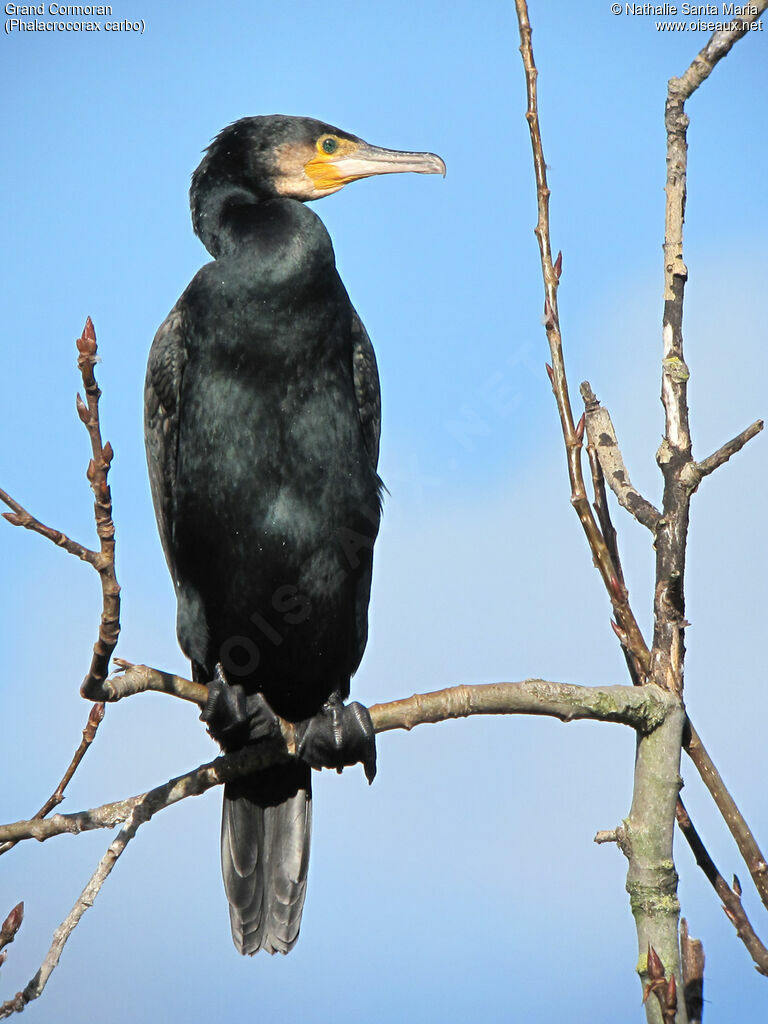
234	719
338	736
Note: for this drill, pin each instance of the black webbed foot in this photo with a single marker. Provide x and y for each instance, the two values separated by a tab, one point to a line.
234	718
337	736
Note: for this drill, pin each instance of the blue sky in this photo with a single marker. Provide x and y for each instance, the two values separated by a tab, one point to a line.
465	882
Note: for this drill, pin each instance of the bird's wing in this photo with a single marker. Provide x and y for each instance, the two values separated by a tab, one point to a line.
162	391
366	378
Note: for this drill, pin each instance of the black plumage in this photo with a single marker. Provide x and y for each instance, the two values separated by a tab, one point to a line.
262	421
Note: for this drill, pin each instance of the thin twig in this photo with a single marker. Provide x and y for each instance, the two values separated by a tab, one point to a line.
95	717
600	505
741	832
629	631
602	437
717	47
21	517
607	835
102	560
731	898
131	679
35	987
695	472
134	812
98	473
656	783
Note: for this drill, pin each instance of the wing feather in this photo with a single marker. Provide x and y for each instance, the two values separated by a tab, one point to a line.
162	392
365	374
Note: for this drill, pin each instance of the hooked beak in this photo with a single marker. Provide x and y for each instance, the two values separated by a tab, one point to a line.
357	159
366	161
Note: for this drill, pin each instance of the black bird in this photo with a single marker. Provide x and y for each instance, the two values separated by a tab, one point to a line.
262	421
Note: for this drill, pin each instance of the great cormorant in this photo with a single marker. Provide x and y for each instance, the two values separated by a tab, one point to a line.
262	420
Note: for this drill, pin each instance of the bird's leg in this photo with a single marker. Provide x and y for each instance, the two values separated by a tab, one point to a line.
234	718
337	736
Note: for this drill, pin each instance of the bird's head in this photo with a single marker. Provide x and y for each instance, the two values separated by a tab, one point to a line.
301	158
277	156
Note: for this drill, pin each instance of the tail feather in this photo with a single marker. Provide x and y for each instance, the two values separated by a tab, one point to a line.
265	837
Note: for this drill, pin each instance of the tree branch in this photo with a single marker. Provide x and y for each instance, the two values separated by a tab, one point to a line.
731	897
600	505
35	987
717	47
535	697
102	560
131	679
98	472
21	517
741	832
629	631
695	472
95	717
648	846
649	828
602	437
674	456
641	708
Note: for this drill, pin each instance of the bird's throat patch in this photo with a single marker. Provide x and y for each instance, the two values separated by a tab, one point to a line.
322	169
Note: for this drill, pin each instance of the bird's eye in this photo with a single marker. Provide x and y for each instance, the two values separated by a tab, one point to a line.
330	145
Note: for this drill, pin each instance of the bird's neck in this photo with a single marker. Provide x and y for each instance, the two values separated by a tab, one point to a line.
279	236
218	215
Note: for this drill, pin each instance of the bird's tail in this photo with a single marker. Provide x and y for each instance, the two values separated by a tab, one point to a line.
265	832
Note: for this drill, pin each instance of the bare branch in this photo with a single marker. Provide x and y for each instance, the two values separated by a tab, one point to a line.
645	708
98	472
131	679
717	47
35	987
193	783
641	708
608	835
602	437
600	505
693	974
750	851
565	701
674	456
551	274
695	472
731	898
20	517
102	560
531	697
95	717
